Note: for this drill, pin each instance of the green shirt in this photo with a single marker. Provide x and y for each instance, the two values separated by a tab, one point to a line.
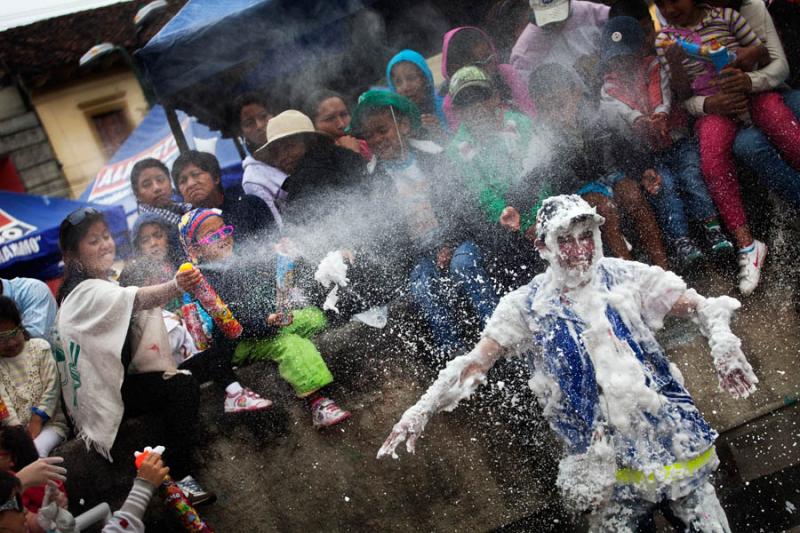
492	162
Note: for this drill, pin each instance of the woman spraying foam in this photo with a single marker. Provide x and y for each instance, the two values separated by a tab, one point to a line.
632	434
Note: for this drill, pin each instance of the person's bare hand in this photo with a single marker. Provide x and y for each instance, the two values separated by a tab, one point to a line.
349	142
153	470
660	123
726	104
748	57
644	127
530	234
674	53
187	279
348	255
510	218
733	80
279	319
59	497
41	471
431	123
651	181
443	257
35	426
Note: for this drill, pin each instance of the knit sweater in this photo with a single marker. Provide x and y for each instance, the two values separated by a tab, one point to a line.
30	381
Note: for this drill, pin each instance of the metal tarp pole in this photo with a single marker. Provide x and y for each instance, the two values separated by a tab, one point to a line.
177	131
239	147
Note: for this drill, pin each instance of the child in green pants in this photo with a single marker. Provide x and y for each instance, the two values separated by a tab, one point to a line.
249	288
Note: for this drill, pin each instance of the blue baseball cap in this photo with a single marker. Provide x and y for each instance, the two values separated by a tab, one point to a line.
621	36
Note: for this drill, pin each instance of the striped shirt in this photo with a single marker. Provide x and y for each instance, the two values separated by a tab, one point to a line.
171	215
129	517
723	25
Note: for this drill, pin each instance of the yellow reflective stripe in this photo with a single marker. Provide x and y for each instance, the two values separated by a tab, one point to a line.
630	476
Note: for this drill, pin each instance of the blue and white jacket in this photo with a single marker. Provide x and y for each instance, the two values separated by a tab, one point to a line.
639	297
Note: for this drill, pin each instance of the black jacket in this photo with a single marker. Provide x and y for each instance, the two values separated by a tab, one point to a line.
326	170
247	284
248	214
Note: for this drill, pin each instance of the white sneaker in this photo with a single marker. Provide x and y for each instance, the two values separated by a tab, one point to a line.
325	413
194	492
750	264
245	400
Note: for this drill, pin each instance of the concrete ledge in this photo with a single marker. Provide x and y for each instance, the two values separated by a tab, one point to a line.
21	139
18	123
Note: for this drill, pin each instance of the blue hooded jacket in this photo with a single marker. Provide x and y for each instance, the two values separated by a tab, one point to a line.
417	60
564	358
176	254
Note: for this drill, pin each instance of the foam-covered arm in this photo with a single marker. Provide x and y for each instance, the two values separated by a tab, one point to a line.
713	316
457	381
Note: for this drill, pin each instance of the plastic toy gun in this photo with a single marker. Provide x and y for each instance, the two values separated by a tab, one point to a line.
714	53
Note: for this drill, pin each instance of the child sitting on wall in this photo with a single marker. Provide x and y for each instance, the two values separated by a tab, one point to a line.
249	288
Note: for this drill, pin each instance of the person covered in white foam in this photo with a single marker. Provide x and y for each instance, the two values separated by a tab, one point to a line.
633	438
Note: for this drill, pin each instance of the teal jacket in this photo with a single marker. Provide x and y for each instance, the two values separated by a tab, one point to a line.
417	60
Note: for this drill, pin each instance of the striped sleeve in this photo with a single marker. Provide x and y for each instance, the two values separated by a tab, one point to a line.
129	517
739	27
662	38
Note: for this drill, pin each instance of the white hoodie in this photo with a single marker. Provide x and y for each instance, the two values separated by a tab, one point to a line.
264	181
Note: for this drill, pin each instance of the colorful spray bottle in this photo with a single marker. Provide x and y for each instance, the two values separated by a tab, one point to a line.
213	304
284	273
194	323
713	54
174	498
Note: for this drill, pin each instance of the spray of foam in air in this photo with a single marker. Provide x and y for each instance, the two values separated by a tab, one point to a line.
332	274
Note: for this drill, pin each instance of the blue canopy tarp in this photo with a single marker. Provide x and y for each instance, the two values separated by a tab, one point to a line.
208	36
153	138
29	233
210	50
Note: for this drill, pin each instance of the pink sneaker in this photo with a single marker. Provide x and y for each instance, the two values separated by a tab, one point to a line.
325	413
245	400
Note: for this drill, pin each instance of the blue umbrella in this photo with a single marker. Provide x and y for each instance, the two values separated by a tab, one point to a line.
29	233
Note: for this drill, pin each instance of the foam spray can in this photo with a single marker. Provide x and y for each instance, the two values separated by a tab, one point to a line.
174	498
194	324
284	274
213	304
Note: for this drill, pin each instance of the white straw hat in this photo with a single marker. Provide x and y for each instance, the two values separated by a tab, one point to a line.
286	124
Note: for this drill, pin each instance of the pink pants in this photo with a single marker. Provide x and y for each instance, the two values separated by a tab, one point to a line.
716	134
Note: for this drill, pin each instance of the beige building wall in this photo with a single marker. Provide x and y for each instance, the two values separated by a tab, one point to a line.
66	114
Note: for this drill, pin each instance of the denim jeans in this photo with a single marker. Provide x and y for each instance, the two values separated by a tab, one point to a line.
434	291
683	194
755	150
